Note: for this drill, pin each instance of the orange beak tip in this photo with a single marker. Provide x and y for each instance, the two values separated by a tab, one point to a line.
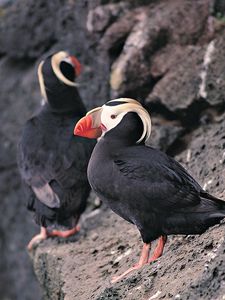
84	128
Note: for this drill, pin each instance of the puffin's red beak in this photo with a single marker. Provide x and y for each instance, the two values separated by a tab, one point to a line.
77	65
84	128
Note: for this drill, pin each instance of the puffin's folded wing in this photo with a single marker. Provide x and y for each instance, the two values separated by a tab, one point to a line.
47	196
69	169
159	183
51	173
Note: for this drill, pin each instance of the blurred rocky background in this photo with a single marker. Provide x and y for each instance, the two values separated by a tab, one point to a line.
168	54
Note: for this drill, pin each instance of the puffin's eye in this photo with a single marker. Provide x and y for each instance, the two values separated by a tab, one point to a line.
113	116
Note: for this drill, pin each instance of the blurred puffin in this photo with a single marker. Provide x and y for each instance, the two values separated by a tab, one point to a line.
141	184
52	162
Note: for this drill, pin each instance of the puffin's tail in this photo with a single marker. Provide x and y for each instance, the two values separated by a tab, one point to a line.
198	219
213	207
212	201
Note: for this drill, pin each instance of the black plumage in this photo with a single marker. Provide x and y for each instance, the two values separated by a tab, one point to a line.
62	97
147	187
52	162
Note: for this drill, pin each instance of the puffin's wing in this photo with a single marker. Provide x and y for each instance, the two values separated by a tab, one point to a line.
34	170
157	178
51	171
46	195
71	168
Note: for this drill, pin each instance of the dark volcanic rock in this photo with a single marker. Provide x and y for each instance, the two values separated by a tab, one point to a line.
179	88
211	283
215	80
102	16
164	134
192	79
205	156
27	28
181	22
17	103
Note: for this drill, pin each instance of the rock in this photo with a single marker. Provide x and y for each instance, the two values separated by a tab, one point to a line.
205	156
30	43
186	260
102	16
5	3
115	36
123	78
179	87
19	99
155	29
215	82
164	134
210	284
188	90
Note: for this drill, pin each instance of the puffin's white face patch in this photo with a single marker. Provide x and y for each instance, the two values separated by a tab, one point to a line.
111	117
114	111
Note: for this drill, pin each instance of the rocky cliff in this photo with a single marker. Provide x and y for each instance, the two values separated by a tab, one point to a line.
170	56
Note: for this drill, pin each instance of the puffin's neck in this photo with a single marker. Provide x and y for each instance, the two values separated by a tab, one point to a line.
111	146
64	99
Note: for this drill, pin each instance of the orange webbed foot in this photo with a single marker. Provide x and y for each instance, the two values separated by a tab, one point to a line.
38	238
66	233
142	261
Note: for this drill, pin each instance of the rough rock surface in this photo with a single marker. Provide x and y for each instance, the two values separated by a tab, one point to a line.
198	82
16	226
181	22
168	54
86	270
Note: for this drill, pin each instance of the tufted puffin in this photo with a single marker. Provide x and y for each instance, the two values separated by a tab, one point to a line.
52	162
143	185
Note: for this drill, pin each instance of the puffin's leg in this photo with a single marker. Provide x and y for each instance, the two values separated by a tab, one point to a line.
37	238
159	248
142	261
65	233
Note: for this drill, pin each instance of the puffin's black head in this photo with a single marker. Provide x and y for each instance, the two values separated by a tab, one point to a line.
122	118
129	129
57	74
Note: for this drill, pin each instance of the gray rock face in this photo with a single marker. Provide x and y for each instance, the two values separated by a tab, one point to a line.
27	30
18	95
181	22
170	56
198	79
179	88
205	156
215	82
